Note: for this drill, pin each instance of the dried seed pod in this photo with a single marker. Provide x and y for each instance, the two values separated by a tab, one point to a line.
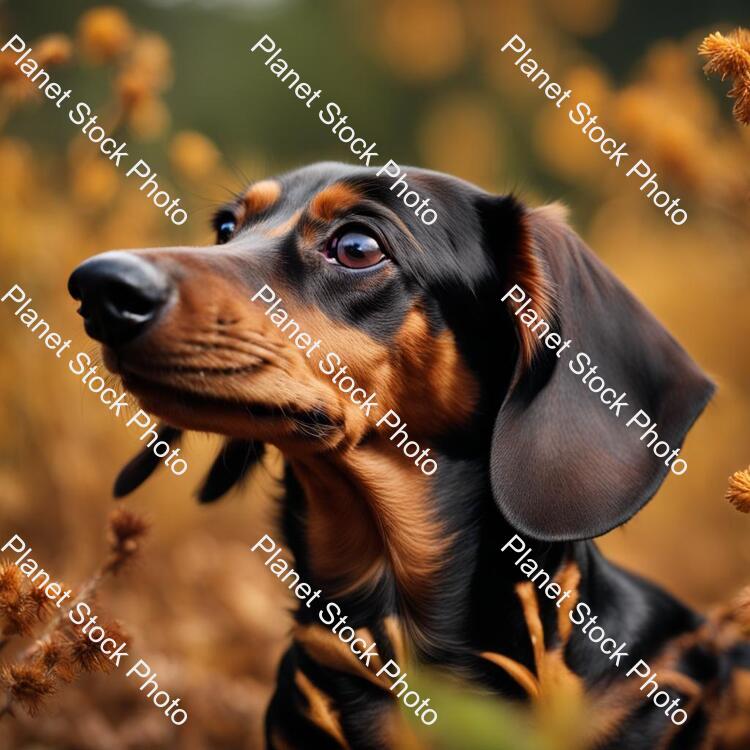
125	532
729	56
104	34
18	613
738	491
27	684
11	579
55	658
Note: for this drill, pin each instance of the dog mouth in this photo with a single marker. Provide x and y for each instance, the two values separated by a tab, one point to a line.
165	398
315	418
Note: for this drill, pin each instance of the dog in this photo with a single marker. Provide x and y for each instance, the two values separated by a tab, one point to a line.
521	448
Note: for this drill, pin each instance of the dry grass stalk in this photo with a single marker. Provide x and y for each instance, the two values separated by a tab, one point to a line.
729	56
60	652
126	530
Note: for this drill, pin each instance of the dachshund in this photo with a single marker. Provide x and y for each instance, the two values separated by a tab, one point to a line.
522	448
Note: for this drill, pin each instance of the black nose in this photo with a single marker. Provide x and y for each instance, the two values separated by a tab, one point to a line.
121	295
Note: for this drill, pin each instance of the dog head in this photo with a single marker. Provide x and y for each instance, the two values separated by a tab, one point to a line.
223	338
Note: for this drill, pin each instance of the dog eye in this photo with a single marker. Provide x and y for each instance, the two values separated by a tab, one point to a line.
354	250
224	231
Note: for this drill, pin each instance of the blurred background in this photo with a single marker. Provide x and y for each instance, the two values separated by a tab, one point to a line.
426	80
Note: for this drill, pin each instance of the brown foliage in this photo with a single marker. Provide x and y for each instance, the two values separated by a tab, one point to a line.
729	56
27	684
738	491
61	652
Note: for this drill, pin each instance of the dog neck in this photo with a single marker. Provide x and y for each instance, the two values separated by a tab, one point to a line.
374	531
385	541
367	511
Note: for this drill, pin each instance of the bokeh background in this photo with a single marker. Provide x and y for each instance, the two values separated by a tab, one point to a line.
426	80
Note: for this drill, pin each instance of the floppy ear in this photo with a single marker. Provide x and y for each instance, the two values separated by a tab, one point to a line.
563	464
231	467
233	464
144	463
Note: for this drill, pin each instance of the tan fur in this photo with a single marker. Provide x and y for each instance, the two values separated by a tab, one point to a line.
552	674
219	344
261	196
328	650
568	579
320	709
540	228
523	676
397	638
358	524
333	201
441	392
308	234
556	213
279	230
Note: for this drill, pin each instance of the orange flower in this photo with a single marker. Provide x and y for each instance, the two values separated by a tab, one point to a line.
149	118
104	34
132	88
147	73
13	83
193	155
9	71
738	492
422	39
94	182
53	49
740	92
151	58
730	56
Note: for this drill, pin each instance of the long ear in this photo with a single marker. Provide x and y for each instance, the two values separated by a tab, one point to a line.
144	463
231	467
564	465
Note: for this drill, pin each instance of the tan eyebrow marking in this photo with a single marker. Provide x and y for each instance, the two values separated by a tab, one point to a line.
261	196
333	200
285	226
311	229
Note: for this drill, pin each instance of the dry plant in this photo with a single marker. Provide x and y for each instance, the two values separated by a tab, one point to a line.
60	652
738	491
729	56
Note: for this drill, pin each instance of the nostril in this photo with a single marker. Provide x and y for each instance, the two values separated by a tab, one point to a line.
120	293
127	300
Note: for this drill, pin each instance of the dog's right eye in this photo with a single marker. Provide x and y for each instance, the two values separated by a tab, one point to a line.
225	230
354	249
